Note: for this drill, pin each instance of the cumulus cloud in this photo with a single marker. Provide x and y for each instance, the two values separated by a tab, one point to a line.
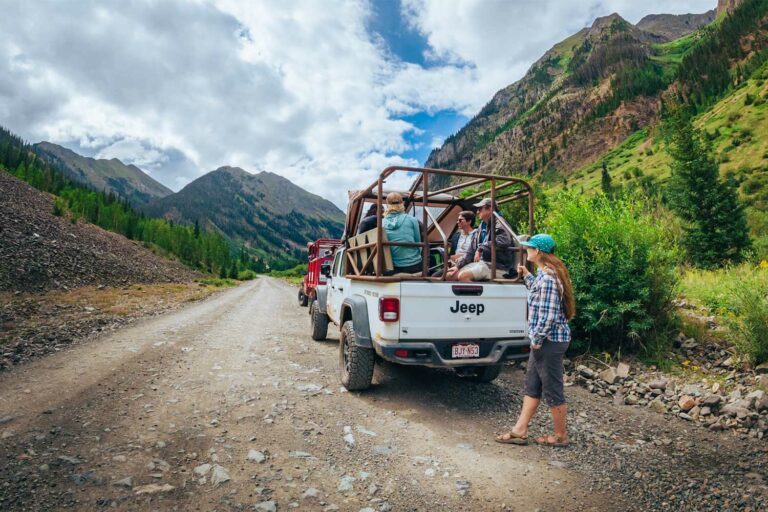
301	88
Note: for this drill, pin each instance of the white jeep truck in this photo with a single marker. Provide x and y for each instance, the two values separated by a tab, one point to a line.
423	319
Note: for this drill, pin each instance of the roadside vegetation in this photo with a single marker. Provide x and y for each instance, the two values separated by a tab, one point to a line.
632	250
293	275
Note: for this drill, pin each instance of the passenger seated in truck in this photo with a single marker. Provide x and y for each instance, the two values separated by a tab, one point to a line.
475	265
369	220
461	240
401	227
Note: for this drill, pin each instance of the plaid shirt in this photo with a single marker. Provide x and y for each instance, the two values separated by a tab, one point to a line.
546	318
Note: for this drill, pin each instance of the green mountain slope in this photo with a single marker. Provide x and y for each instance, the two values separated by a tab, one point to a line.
582	98
737	128
266	212
598	94
126	181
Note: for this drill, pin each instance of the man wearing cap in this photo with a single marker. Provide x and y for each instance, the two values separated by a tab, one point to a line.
475	265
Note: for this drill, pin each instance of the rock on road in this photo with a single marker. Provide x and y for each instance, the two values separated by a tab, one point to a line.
229	405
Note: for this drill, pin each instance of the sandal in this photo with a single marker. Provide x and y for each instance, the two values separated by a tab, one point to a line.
512	438
556	442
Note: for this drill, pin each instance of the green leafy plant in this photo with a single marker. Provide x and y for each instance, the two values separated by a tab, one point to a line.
622	263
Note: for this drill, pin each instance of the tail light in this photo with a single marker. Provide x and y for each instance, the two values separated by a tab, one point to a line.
401	353
389	309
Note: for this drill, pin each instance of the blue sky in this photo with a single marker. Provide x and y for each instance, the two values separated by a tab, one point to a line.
407	44
325	93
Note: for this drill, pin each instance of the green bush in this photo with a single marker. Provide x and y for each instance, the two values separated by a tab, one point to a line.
621	255
246	275
749	326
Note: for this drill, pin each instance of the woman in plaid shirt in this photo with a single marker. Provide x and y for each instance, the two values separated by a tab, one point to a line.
550	306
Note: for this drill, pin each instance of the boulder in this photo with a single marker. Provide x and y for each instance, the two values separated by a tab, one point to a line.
762	405
658	384
686	403
738	408
622	370
586	372
691	389
609	375
657	406
711	400
762	369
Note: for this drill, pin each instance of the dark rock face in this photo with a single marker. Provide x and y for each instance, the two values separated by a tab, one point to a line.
727	5
39	251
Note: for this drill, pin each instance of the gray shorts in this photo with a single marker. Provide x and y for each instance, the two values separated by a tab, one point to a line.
545	373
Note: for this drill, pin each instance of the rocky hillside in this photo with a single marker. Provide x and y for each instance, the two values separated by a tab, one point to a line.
587	94
127	181
669	27
40	251
265	211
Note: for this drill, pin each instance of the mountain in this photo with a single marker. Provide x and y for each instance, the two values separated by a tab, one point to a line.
581	98
600	87
127	181
265	211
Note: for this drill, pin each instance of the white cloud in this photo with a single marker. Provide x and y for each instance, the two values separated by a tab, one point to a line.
300	88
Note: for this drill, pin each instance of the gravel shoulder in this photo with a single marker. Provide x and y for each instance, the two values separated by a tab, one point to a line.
36	324
227	404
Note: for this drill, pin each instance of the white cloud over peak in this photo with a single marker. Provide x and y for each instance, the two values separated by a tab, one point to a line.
301	88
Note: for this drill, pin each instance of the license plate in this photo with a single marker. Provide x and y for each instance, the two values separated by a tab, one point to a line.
465	350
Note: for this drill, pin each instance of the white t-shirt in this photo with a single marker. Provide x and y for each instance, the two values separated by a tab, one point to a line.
462	246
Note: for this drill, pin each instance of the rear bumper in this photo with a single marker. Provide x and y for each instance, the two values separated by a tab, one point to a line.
437	353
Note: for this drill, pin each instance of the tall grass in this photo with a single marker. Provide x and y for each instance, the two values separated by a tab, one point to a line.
738	295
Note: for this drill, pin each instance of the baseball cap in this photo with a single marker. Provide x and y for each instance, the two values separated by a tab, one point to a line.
484	203
542	242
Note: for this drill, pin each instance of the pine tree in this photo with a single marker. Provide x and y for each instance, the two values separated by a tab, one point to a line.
716	229
605	181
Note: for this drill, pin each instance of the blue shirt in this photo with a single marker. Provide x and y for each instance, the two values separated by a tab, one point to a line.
546	318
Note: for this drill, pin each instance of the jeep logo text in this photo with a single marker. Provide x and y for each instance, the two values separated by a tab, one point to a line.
468	308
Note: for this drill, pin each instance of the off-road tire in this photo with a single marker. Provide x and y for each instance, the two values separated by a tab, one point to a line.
303	299
355	363
486	373
318	322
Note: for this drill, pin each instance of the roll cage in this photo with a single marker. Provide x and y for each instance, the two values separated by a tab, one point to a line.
367	253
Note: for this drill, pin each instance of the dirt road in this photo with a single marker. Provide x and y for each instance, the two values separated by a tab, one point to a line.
229	405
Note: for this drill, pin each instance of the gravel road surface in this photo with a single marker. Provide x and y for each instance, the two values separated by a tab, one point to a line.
229	405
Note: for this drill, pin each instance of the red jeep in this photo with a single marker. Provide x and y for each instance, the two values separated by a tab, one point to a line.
320	252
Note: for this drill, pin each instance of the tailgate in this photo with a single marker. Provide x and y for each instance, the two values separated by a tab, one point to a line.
462	311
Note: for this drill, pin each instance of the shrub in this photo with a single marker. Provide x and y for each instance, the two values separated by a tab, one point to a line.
621	259
246	275
749	325
740	295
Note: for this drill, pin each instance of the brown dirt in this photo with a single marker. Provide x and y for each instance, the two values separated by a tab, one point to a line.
238	372
40	251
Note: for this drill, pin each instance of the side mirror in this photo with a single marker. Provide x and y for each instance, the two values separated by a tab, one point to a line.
325	269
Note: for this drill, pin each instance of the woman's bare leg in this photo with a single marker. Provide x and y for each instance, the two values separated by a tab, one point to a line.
530	405
559	420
